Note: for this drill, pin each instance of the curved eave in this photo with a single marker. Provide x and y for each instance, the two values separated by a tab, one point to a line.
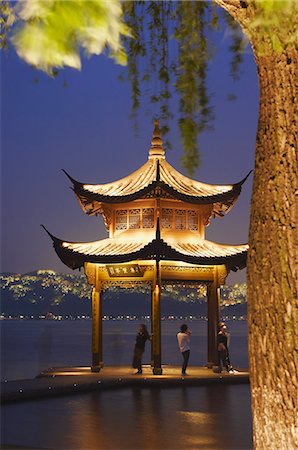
218	198
157	249
155	188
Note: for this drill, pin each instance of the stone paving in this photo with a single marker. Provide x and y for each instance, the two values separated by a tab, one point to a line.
73	380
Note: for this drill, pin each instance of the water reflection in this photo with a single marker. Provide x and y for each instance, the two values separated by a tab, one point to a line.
44	347
214	417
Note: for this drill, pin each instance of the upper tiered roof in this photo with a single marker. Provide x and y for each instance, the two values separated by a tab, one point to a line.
156	179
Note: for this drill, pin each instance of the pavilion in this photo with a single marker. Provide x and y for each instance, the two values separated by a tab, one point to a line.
156	219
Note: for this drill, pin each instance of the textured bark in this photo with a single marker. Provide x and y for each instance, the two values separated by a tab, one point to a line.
272	258
272	261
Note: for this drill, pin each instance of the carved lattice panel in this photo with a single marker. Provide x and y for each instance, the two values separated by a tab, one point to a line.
134	218
192	220
180	219
148	217
167	218
136	286
121	219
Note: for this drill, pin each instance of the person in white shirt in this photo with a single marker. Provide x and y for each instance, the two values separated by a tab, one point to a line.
184	345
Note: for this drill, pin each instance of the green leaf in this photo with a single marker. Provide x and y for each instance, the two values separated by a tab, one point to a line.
52	33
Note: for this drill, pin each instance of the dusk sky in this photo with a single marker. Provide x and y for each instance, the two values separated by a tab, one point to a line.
85	129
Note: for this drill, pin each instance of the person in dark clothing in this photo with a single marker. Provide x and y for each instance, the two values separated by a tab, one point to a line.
223	347
139	349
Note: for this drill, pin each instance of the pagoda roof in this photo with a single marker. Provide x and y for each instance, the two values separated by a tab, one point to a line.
156	178
117	250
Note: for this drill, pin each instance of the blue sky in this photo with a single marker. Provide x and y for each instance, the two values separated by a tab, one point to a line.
85	129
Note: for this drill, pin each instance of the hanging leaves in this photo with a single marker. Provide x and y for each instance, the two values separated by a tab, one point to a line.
238	45
7	19
180	66
194	54
165	44
50	34
135	48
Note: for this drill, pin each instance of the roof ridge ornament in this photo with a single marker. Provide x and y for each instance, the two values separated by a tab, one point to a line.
156	150
157	171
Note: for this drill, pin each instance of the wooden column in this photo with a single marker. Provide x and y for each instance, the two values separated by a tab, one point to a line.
156	325
97	360
213	320
152	325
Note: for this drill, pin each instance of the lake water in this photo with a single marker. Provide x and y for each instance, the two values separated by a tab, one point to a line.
207	417
31	346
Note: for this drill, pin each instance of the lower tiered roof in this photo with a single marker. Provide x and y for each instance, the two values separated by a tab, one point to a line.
116	250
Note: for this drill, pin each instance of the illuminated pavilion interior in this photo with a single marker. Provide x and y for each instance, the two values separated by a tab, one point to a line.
156	219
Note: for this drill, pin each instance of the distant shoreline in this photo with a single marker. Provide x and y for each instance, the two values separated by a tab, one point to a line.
118	319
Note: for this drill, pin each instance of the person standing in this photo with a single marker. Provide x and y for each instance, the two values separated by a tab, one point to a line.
223	338
183	338
139	348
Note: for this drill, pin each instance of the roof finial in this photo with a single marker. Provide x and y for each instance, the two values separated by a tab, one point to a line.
156	150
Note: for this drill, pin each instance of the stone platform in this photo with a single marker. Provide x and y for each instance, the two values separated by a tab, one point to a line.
77	380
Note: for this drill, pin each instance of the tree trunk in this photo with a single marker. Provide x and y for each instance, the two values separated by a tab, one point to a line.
272	258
